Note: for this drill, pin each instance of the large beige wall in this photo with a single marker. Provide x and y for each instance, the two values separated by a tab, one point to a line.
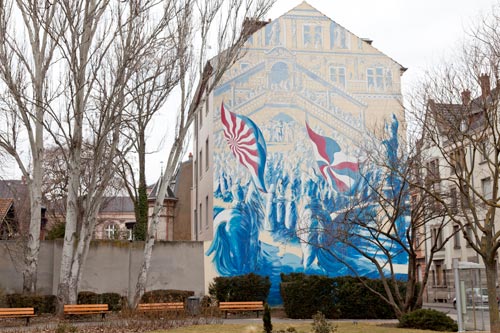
110	267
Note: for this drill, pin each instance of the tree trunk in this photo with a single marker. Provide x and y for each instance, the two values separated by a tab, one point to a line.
33	243
141	202
491	283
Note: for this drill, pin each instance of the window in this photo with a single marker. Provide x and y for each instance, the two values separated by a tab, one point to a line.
206	211
337	75
201	214
307	35
207	156
487	188
200	117
200	160
379	78
111	231
433	170
318	36
439	273
483	150
453	200
470	235
465	196
457	161
207	100
437	237
456	236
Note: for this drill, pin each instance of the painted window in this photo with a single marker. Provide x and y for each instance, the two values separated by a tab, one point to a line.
307	35
318	36
379	78
337	75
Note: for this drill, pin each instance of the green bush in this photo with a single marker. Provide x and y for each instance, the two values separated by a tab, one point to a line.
249	287
266	318
426	319
305	295
169	295
340	297
88	297
320	325
57	231
355	301
41	303
114	300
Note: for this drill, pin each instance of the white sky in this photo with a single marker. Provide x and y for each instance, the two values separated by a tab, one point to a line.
418	34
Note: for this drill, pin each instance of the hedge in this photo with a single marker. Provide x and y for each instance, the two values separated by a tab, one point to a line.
340	297
166	295
428	319
249	287
41	303
114	300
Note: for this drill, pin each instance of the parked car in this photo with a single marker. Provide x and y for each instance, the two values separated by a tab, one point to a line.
478	296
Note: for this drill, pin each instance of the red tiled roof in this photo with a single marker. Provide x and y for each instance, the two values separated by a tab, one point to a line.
5	205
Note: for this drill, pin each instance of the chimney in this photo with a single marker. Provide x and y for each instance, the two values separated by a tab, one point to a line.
466	97
484	81
190	156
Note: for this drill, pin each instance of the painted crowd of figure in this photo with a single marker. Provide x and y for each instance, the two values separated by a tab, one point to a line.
285	211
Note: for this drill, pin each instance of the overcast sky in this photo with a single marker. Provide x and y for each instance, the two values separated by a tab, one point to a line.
416	34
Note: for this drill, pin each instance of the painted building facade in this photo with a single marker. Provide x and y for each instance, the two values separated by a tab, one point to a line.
277	146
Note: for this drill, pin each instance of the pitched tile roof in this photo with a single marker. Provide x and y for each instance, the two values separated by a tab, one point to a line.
5	205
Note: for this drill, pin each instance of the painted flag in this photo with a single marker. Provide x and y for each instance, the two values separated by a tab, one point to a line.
334	165
247	143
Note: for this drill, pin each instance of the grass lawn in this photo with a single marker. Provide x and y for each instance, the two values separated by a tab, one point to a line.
343	327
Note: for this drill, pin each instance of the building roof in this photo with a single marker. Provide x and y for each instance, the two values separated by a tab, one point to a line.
5	206
156	188
12	188
117	204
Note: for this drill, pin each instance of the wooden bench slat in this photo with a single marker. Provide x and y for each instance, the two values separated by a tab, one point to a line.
18	313
242	306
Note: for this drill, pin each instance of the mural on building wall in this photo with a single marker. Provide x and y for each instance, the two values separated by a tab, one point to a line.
287	160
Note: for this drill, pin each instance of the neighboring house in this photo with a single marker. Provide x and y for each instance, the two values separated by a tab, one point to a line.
8	223
14	193
114	214
281	157
440	167
182	191
165	228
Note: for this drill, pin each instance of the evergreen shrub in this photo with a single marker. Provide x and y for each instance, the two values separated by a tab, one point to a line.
41	303
166	295
242	288
428	319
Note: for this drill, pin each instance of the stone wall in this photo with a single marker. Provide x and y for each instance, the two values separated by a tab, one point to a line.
111	266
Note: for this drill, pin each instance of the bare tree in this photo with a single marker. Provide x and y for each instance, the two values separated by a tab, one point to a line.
154	77
379	229
461	134
199	23
26	60
99	45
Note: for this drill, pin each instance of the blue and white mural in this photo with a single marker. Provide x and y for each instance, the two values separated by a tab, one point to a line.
289	171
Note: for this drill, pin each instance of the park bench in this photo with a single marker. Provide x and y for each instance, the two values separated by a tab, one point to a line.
241	306
161	307
17	313
86	309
